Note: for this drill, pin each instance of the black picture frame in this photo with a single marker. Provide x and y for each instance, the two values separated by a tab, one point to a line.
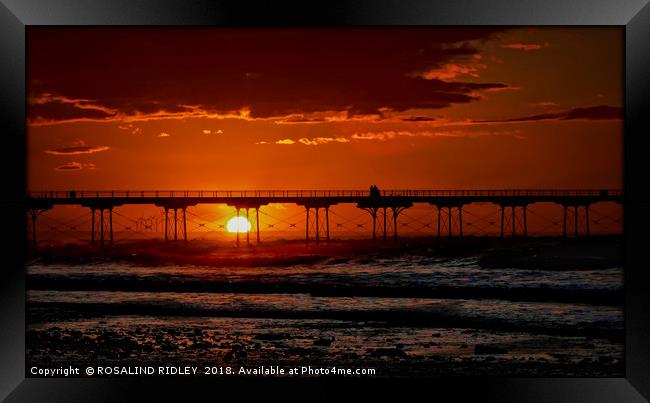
634	15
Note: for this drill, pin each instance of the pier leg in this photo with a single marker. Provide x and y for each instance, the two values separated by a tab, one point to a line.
502	220
525	224
34	215
327	223
460	220
184	225
575	219
92	226
438	207
514	229
307	225
587	218
175	225
238	228
564	225
166	224
110	225
395	223
449	220
101	226
34	242
248	233
384	223
257	223
317	229
374	224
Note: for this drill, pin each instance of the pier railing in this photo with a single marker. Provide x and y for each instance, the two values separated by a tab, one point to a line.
323	193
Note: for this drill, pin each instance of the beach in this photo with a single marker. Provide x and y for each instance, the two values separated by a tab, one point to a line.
416	307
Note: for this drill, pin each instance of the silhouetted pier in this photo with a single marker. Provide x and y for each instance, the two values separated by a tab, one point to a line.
384	204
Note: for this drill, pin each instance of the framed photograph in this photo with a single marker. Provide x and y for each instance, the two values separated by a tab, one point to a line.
257	198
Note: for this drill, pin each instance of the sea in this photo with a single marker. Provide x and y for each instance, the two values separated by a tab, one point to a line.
405	313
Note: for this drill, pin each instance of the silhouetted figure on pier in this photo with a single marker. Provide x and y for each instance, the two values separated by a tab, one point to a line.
374	192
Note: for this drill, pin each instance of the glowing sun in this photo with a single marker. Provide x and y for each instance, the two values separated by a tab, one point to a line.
238	224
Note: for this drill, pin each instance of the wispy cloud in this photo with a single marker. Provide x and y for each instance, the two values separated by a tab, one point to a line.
130	127
323	140
315	141
450	71
544	104
77	150
75	166
390	135
525	46
163	134
601	112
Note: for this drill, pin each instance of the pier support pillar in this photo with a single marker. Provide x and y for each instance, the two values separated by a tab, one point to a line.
92	225
575	219
396	212
327	223
516	217
460	220
503	216
179	226
175	225
101	227
374	225
394	225
564	232
307	225
372	210
110	225
373	214
185	225
317	226
237	208
257	223
587	219
525	224
385	224
319	232
34	213
248	233
166	224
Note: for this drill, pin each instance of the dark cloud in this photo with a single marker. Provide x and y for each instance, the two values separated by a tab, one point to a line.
271	72
602	112
418	119
64	111
303	120
77	150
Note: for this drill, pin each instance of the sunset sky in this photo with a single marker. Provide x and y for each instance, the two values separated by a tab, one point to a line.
338	108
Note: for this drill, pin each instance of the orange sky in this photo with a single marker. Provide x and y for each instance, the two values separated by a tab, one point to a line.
213	108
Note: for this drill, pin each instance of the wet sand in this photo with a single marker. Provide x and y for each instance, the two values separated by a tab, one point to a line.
246	342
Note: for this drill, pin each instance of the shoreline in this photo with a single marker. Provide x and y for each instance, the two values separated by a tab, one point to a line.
549	253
